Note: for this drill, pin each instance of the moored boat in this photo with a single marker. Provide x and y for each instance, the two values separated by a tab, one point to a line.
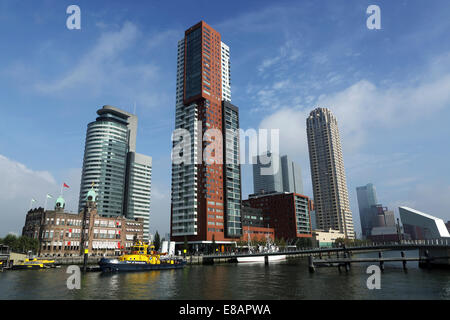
141	258
34	263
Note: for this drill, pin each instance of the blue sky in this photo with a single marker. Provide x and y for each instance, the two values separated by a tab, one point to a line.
389	88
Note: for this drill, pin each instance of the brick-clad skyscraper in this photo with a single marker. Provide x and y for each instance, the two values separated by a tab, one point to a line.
201	209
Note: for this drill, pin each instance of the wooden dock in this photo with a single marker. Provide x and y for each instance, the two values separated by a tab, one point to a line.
346	261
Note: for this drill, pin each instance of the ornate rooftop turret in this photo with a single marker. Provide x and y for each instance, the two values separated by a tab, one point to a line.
60	203
91	195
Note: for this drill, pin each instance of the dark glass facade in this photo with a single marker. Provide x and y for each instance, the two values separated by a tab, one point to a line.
193	64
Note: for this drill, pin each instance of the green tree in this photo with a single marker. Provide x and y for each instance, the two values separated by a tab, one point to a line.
157	241
282	243
20	244
303	243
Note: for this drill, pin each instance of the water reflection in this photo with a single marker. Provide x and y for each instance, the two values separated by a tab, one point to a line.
284	280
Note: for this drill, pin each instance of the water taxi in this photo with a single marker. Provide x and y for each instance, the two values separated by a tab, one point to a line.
34	263
141	258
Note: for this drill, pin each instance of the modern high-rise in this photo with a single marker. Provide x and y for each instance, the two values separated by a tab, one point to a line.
267	174
138	193
284	175
367	197
328	174
206	184
121	177
292	175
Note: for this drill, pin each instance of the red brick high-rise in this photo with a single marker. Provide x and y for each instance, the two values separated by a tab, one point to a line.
206	185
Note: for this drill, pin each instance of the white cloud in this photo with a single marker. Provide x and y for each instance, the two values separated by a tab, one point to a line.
288	52
432	198
292	125
360	108
92	69
364	106
112	68
159	210
19	184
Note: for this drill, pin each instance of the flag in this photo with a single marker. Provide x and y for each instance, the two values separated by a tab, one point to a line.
65	185
49	196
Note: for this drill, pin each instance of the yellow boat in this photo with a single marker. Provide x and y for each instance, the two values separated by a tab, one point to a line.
142	257
34	263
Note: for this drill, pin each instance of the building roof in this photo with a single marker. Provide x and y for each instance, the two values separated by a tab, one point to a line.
413	217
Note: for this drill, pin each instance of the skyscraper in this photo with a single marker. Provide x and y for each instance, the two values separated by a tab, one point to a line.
327	172
266	183
120	176
206	183
286	175
367	197
292	175
138	188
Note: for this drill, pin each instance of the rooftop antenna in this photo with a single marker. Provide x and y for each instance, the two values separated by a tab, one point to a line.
134	108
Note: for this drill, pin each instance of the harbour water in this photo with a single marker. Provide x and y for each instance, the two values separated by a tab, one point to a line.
282	280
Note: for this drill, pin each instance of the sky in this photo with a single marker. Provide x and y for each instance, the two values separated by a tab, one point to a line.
388	88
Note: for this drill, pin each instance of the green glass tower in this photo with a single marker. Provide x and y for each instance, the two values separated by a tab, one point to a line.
111	164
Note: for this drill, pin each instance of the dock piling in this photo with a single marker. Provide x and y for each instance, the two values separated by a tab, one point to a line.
404	261
311	268
427	257
380	255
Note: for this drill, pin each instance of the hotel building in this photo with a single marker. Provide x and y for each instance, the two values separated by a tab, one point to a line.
69	234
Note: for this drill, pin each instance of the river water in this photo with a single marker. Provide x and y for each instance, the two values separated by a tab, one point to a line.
282	280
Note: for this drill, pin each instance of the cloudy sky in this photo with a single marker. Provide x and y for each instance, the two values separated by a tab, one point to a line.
389	89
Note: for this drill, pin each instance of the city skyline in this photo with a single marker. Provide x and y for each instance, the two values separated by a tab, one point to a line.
46	149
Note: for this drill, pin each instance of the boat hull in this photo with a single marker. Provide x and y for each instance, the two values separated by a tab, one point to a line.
27	267
259	259
106	265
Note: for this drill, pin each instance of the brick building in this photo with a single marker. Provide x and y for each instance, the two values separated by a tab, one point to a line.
287	213
69	234
253	225
206	176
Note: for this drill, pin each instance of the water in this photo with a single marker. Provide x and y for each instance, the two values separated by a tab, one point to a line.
283	280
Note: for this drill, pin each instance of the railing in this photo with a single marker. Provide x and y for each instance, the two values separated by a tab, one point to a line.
360	246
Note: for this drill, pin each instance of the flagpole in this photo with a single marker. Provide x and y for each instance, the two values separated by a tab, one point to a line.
45	203
62	187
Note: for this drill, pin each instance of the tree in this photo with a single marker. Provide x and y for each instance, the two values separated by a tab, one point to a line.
303	243
20	244
282	243
157	241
